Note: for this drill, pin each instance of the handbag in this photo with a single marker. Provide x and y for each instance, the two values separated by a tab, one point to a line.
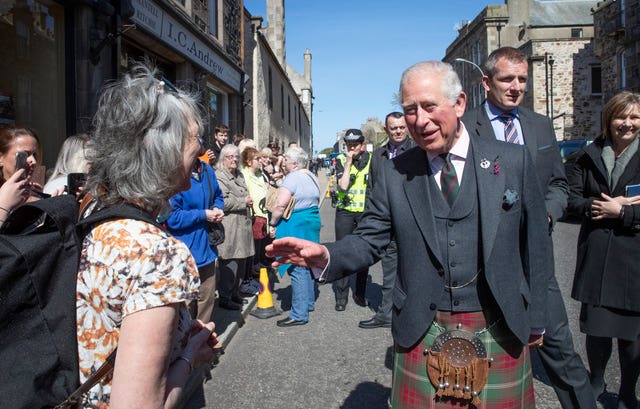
288	209
216	234
216	230
270	201
259	226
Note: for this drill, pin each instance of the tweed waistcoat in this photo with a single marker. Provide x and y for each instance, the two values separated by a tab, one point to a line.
458	233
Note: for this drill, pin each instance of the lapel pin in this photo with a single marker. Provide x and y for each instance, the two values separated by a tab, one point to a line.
484	164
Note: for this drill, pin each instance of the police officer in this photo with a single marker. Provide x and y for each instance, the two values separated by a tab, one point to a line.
352	174
399	142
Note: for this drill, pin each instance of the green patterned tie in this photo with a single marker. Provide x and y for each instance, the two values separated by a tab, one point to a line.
449	180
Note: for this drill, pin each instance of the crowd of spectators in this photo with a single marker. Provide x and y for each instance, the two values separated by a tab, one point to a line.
146	150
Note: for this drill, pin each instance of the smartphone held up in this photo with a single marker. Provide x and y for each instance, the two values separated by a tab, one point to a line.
21	160
75	182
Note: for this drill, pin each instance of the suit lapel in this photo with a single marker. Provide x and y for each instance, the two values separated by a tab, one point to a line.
482	125
490	192
416	188
527	124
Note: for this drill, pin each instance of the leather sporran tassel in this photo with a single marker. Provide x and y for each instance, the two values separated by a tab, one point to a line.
458	367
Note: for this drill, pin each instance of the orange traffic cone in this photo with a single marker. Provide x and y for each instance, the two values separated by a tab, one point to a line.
265	308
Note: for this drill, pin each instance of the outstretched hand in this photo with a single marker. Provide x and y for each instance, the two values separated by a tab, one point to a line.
304	253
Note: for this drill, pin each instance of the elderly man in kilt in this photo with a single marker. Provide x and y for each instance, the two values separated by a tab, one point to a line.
474	257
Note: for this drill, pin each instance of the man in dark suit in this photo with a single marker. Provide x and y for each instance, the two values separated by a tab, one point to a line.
474	254
501	117
399	142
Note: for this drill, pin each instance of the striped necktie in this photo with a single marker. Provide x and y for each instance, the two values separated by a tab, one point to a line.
510	130
449	180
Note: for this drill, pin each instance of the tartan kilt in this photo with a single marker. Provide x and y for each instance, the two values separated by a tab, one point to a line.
509	385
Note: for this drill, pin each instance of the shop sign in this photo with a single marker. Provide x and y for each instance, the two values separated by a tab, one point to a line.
152	18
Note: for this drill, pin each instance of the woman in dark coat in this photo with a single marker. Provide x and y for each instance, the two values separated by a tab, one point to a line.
607	278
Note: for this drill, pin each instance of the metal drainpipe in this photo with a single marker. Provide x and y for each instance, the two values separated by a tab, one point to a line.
254	82
546	81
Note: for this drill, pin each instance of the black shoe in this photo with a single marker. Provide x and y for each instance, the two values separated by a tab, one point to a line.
598	388
239	300
359	300
289	322
341	305
374	323
229	305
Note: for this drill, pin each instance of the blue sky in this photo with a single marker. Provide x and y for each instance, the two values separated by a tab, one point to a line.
360	48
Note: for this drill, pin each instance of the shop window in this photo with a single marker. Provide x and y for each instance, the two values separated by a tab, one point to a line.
32	68
217	109
186	5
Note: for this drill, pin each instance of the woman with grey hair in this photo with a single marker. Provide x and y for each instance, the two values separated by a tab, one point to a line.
135	279
236	252
303	223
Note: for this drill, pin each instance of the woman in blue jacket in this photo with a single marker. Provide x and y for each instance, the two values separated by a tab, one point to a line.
191	212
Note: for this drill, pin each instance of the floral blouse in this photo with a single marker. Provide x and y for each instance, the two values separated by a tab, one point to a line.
127	266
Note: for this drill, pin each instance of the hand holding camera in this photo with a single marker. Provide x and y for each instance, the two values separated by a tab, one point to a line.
75	183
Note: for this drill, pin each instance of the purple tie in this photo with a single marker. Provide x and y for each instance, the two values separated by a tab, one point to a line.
510	130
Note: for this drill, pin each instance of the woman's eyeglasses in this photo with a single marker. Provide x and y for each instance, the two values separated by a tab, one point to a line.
232	156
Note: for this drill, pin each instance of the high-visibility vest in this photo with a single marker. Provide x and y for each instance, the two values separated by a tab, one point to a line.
353	199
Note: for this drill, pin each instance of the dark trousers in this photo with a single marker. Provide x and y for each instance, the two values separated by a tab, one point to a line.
346	223
389	268
561	362
232	272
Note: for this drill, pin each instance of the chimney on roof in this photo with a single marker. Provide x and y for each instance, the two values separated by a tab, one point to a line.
276	29
307	66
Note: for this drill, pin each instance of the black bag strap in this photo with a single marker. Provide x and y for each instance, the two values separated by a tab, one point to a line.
105	369
120	211
206	174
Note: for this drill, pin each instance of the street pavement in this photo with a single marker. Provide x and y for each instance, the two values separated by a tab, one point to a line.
331	362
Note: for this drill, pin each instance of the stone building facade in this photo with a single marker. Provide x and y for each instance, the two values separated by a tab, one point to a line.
617	45
556	36
278	107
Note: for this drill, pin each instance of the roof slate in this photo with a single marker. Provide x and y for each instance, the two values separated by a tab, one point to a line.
560	12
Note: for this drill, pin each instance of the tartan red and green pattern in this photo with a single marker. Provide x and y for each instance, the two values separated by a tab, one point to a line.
510	383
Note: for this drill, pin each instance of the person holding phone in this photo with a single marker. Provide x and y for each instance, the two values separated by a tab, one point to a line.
71	166
607	277
18	155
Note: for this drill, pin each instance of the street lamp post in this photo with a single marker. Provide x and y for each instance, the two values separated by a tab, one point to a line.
472	63
475	66
551	61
